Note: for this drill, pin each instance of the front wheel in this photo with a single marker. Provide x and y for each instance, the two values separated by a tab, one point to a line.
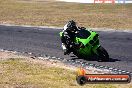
103	54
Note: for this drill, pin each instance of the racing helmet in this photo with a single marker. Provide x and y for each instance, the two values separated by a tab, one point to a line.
71	26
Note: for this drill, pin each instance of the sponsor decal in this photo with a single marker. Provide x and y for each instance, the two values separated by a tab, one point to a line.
83	78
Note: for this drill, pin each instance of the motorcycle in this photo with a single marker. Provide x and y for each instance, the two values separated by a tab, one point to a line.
89	45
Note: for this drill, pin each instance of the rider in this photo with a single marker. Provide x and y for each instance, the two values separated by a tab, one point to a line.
69	32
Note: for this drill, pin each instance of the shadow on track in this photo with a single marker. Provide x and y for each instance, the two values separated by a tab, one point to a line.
113	60
94	59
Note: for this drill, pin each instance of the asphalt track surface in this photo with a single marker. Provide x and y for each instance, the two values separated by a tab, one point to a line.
47	41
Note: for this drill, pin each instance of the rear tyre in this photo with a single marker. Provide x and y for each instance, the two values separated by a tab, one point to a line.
103	54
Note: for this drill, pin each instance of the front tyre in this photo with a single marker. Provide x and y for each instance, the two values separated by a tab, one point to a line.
103	54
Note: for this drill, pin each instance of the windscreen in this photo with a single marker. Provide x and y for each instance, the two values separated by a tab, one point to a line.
83	34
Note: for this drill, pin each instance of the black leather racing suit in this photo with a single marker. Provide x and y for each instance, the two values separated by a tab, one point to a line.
68	38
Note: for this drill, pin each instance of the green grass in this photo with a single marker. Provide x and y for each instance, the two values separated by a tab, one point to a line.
50	13
21	73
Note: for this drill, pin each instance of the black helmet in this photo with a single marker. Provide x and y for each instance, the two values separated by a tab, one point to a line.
71	25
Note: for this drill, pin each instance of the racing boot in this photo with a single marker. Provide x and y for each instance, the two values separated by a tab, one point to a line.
66	51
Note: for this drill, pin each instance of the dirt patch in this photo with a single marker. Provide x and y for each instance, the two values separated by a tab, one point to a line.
19	71
46	62
8	55
5	55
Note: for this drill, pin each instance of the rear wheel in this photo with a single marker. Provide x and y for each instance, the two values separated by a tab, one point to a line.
103	54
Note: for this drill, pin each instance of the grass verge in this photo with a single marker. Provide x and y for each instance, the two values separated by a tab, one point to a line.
22	73
52	13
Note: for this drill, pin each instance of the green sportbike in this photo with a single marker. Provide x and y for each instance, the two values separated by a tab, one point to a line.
89	45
